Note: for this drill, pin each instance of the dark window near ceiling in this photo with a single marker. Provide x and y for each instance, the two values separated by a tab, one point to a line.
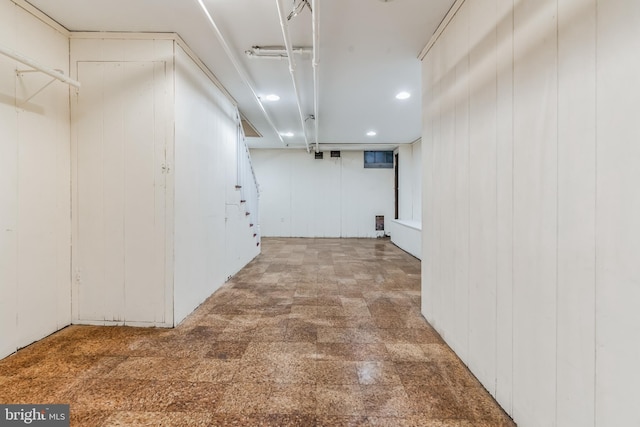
378	159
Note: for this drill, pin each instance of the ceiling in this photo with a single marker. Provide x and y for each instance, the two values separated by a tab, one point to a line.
366	53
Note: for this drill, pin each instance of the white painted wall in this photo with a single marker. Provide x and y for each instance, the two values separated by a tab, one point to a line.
333	197
406	231
531	207
213	239
407	235
157	158
34	184
121	134
99	181
410	181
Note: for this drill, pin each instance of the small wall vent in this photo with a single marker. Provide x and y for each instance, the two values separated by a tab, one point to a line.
335	154
320	155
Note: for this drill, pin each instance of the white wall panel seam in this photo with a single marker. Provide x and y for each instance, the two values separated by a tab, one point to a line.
557	246
497	208
595	213
513	210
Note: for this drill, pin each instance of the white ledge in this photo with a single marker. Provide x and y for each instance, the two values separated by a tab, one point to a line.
411	223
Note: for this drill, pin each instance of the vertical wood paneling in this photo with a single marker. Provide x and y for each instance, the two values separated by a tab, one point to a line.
406	182
436	303
43	189
43	212
565	223
576	211
460	340
482	190
447	173
428	207
535	212
34	185
121	192
8	190
617	213
416	180
144	193
504	195
111	122
88	244
212	237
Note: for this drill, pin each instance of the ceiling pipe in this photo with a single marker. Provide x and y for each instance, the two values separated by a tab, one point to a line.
255	55
316	58
292	69
274	52
280	49
239	68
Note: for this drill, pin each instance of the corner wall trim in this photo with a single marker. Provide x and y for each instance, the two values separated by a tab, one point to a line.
41	16
445	22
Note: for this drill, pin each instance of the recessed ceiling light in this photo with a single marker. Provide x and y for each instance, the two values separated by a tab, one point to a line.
272	97
372	133
289	134
403	95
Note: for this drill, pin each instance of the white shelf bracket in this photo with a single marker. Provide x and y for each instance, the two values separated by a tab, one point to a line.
21	72
37	67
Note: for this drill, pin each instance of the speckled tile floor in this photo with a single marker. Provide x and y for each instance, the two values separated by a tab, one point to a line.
313	332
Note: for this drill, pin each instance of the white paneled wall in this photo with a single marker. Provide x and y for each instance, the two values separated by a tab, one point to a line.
577	166
199	168
120	137
103	219
530	208
416	180
410	181
333	197
35	231
617	232
213	235
159	183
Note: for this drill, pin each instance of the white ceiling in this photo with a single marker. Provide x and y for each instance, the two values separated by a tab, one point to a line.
367	54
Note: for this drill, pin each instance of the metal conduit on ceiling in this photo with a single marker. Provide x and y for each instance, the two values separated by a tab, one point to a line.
238	67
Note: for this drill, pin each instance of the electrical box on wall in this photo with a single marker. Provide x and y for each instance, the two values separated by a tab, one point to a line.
319	156
335	154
